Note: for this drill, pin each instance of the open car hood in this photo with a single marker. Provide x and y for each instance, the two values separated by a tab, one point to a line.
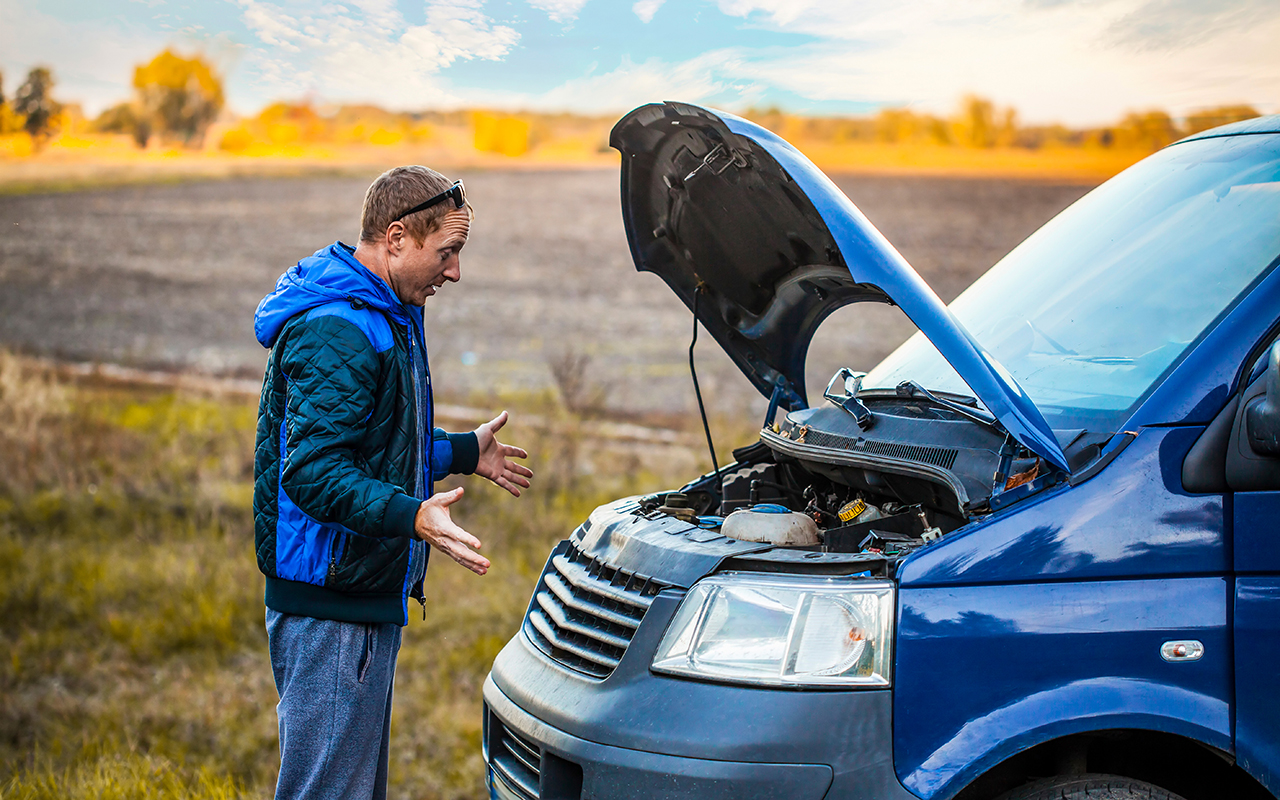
718	206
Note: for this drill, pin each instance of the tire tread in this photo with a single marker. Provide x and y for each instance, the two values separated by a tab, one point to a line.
1089	787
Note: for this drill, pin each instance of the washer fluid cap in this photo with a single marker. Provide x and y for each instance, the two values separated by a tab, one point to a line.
770	508
771	524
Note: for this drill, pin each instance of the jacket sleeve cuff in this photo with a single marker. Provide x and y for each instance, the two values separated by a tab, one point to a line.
401	512
466	453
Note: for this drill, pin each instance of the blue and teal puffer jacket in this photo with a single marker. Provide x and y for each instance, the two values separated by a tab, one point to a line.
346	450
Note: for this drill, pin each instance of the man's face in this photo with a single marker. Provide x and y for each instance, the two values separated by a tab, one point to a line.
416	272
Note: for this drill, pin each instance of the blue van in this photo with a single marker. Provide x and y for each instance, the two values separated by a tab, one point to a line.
1035	553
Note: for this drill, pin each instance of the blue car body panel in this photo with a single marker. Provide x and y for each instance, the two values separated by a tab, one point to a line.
1257	652
1015	665
1131	520
1049	620
1254	533
1257	634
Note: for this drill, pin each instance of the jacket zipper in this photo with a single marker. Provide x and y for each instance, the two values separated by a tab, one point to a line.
419	478
336	553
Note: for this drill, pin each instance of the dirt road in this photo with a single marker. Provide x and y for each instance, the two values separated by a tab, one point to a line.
168	276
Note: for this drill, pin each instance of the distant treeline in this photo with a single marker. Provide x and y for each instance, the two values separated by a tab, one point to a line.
980	123
178	99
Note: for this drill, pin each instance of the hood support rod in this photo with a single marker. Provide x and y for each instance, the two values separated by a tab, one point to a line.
693	371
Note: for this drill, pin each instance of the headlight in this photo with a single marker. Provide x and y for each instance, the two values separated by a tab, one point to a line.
782	631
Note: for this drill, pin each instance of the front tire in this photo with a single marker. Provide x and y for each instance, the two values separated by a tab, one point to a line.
1089	787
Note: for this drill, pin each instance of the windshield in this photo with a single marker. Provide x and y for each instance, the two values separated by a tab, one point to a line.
1094	307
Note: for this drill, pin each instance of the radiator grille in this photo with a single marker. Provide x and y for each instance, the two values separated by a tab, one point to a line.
584	612
515	760
937	456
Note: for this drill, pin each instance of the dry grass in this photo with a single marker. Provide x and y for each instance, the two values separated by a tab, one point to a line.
131	611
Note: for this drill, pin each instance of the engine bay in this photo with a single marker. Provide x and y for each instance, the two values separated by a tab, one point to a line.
896	473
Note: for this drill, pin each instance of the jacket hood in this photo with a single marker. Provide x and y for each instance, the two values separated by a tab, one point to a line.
329	274
763	246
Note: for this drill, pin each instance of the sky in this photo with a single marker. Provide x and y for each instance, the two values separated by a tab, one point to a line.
1079	62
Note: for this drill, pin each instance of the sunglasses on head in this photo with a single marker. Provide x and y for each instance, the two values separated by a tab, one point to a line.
456	192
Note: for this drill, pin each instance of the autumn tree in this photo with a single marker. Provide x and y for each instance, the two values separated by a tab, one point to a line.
10	122
124	118
1147	130
34	101
1213	117
179	97
980	124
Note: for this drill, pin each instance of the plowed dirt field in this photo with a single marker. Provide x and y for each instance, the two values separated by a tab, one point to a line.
168	276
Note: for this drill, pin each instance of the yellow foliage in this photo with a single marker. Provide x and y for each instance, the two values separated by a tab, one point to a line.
171	71
69	142
1213	117
1149	130
302	123
283	133
500	134
10	120
180	96
236	139
382	136
16	145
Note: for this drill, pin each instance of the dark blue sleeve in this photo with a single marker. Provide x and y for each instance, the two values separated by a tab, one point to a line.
453	453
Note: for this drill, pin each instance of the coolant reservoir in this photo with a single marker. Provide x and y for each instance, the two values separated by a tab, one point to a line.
771	524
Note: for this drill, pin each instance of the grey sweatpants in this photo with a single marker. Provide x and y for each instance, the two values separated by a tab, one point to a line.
334	680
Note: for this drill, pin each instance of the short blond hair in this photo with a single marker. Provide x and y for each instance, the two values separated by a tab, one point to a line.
397	190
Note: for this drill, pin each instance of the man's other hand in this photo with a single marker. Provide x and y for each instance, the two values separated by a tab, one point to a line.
434	526
495	463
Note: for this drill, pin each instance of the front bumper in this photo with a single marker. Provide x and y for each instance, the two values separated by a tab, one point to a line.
557	735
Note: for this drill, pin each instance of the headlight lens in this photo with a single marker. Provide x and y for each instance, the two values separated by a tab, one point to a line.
782	631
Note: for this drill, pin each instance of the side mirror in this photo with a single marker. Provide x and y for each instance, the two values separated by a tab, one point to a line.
1262	416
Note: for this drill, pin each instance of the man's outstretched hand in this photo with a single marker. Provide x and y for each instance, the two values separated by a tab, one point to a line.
434	526
495	463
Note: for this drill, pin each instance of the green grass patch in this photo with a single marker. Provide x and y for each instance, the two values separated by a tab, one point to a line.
131	620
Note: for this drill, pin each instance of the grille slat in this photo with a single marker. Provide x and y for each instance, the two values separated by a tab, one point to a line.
517	762
585	612
566	596
553	636
509	787
562	621
522	755
581	577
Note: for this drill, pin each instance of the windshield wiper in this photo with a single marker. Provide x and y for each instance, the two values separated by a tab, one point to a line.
915	390
849	400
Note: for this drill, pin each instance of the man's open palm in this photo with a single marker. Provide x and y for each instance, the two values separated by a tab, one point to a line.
495	458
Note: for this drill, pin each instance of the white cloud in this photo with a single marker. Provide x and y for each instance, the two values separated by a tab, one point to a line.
91	62
1076	61
1176	24
645	9
711	78
779	12
369	54
1079	62
563	11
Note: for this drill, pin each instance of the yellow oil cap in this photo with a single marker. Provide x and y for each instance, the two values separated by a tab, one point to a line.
850	510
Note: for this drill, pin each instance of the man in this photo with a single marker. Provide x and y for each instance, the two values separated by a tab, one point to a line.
346	457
